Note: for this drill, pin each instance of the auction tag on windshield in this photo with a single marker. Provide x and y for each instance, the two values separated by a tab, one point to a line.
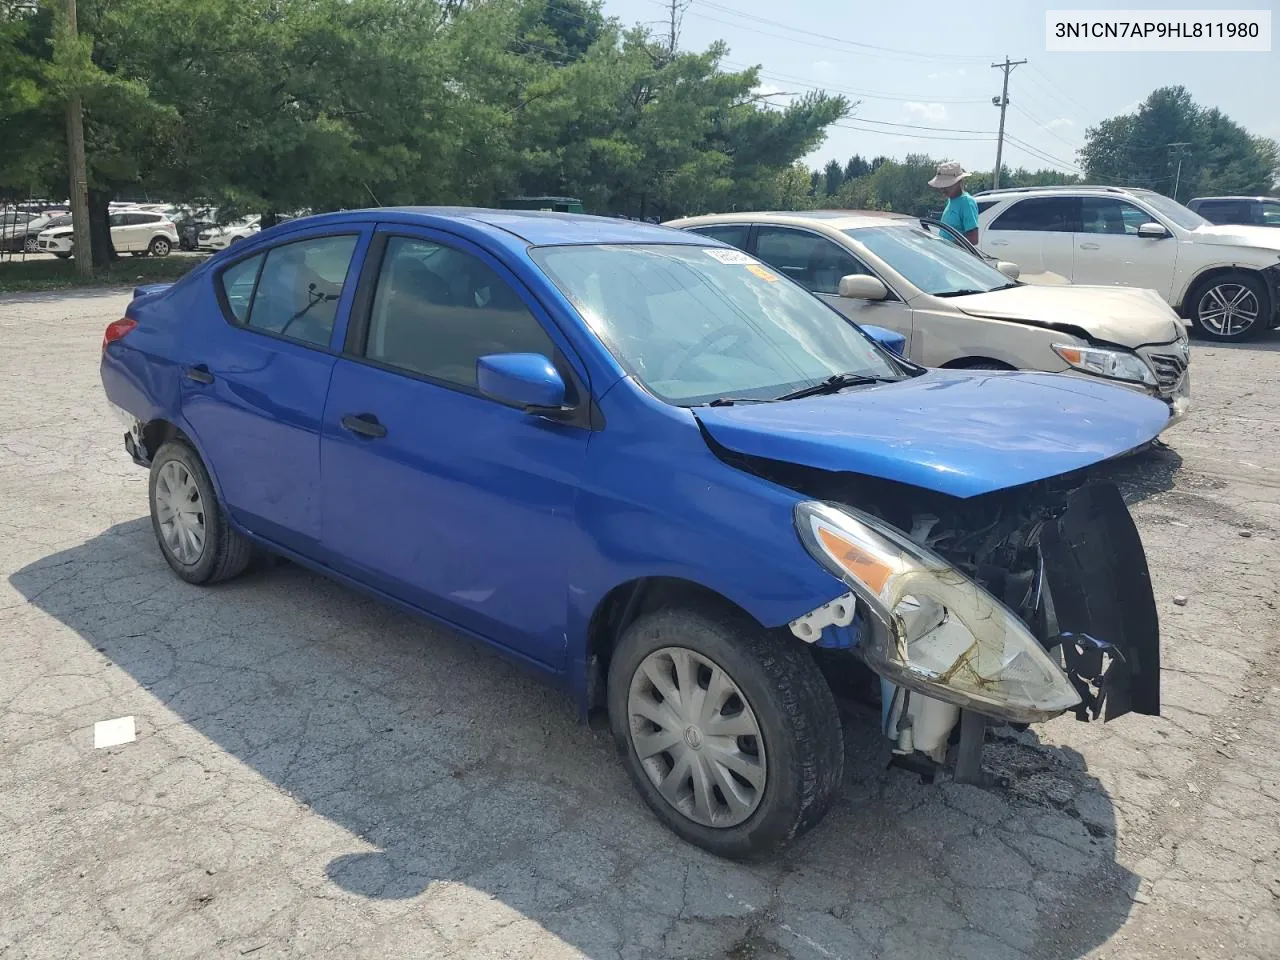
762	273
728	256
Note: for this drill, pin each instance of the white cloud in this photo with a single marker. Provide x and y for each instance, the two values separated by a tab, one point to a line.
1059	122
931	112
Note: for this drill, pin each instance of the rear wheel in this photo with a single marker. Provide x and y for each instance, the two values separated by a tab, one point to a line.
1230	306
189	524
160	247
730	733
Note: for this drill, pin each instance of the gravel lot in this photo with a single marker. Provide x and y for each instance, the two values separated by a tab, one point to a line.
318	775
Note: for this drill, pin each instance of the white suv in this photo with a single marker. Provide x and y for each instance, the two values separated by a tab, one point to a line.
138	232
1224	279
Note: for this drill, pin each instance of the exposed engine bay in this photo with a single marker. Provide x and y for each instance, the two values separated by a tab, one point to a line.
1062	555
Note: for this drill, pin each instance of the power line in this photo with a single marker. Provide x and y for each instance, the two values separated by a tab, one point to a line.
851	91
807	38
1042	125
778	25
914	136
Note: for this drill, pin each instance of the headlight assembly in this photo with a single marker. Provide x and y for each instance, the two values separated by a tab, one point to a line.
1102	362
935	630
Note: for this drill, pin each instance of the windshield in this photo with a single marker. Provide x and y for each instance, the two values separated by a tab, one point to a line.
696	324
1186	219
936	266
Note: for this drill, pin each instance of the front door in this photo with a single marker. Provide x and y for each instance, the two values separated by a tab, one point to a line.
432	492
817	264
1109	250
254	378
1038	234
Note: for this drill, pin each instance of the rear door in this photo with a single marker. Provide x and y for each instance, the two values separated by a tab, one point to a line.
1038	234
1109	250
255	374
817	264
432	492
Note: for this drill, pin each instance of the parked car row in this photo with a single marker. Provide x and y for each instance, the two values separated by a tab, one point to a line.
670	469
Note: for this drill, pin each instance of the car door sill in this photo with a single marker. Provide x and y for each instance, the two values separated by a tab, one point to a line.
540	667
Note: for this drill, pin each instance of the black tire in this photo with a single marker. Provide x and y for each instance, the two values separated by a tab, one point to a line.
226	553
1200	302
799	724
160	247
984	365
31	245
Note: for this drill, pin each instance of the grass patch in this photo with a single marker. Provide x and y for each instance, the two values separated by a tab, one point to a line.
20	276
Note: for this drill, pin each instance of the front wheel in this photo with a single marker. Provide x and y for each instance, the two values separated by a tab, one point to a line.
160	247
31	245
730	733
1230	306
193	532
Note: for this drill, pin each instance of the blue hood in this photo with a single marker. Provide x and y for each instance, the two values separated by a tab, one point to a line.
958	432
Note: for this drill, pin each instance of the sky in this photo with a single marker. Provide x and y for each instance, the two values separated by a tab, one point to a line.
927	64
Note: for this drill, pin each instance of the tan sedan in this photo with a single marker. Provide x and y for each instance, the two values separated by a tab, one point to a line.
958	310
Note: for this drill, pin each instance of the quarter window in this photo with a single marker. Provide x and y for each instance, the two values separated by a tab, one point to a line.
437	310
814	262
237	284
1045	214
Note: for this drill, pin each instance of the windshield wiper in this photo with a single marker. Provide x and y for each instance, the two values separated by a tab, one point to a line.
960	293
730	401
836	383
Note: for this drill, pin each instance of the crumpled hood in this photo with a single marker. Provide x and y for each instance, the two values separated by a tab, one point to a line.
958	432
1126	316
1239	235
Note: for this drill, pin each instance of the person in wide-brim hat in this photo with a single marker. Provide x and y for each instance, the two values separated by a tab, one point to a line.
961	211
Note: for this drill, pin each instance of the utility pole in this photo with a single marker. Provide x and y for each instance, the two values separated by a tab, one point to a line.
79	175
1177	177
1003	103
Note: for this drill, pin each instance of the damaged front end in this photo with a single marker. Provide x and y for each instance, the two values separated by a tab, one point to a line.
1019	604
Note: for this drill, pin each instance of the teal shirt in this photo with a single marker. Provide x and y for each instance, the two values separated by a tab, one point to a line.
962	213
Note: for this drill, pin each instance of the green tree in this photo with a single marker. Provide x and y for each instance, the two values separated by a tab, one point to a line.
1144	148
833	177
856	167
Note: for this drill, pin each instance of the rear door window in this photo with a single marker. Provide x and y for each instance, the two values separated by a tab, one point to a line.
292	290
1042	214
734	234
812	261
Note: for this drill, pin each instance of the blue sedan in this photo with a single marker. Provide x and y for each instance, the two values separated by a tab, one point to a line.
644	463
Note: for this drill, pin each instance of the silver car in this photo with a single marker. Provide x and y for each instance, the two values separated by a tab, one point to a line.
958	310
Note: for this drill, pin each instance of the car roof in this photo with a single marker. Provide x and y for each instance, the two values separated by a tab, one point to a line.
1255	196
513	228
839	219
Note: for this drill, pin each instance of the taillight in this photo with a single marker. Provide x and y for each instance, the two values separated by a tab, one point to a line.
118	330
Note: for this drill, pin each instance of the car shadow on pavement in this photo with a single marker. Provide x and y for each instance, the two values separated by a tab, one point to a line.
459	780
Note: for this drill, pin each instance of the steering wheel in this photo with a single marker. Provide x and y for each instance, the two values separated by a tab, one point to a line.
732	335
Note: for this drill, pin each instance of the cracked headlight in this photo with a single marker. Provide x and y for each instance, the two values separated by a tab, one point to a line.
1101	362
935	631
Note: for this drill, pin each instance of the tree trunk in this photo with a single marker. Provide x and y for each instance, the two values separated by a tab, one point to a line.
100	228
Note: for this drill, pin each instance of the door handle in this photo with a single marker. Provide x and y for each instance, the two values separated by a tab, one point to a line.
1088	246
998	243
199	373
364	424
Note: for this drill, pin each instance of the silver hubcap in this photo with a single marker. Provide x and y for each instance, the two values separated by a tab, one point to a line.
697	737
180	512
161	248
1228	309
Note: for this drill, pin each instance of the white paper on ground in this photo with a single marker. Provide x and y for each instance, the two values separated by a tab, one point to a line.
112	733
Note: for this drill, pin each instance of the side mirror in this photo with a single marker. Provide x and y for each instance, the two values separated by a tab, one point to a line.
1010	270
860	286
524	380
891	341
1152	231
